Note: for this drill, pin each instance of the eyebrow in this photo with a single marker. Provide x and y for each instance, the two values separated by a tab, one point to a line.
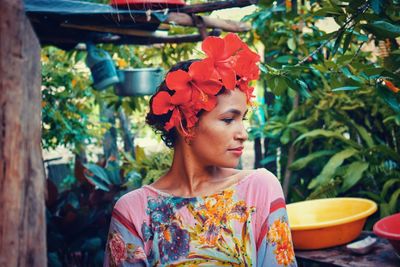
235	111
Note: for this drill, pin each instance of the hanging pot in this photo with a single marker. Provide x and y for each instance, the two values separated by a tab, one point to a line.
138	82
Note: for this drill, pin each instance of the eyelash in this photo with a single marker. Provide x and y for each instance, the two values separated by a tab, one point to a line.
229	120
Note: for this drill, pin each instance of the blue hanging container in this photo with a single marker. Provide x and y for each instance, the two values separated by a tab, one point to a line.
139	82
102	67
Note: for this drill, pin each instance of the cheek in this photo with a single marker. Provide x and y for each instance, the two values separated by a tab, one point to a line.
211	138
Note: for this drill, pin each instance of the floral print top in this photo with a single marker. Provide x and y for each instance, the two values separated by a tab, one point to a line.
243	225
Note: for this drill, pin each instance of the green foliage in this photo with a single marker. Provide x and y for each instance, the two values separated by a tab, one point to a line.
151	167
78	217
68	101
333	108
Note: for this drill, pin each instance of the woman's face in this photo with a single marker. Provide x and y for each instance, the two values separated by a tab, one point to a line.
220	133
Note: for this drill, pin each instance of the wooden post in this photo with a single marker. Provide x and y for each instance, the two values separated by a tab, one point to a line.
22	179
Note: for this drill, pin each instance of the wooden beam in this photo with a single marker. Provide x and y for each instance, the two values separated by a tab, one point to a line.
183	19
174	18
113	30
71	42
211	6
22	179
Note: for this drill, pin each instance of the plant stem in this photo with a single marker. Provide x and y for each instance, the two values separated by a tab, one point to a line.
361	10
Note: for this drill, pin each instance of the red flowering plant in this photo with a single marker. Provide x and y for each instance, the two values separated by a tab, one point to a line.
229	64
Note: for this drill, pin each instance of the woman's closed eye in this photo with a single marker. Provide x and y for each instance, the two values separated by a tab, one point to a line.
227	120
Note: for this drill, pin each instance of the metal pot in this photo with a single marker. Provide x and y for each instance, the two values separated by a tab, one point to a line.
138	82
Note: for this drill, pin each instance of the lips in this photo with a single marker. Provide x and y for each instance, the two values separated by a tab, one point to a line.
237	151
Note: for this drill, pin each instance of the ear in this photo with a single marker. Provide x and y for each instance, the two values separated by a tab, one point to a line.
185	133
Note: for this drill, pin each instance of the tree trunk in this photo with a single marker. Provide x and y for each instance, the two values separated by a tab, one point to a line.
257	152
129	140
110	137
291	154
22	179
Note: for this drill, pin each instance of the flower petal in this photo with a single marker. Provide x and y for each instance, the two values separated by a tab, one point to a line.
213	46
178	80
174	120
211	87
201	70
210	104
161	103
228	77
232	45
182	96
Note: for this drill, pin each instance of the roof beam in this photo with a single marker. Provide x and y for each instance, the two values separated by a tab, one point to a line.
211	6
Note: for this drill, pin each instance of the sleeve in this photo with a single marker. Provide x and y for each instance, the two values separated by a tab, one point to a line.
124	245
275	246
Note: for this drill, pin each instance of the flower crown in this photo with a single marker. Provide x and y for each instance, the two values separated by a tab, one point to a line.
229	63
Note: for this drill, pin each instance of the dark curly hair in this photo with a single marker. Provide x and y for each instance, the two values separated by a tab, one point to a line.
157	122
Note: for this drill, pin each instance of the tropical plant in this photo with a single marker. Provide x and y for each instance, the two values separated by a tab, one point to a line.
333	127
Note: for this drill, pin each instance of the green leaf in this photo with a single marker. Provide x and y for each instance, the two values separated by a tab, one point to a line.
279	85
113	171
387	185
376	6
330	167
304	89
384	29
371	195
98	183
291	44
346	88
361	37
353	174
389	97
347	41
365	135
267	160
328	134
387	151
302	162
337	43
374	71
384	210
327	12
99	172
394	201
285	138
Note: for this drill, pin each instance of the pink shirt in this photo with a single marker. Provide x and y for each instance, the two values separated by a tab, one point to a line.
244	225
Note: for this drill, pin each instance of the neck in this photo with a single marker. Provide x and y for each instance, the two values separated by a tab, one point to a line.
188	172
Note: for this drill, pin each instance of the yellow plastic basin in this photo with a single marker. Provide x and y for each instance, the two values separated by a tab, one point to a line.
324	223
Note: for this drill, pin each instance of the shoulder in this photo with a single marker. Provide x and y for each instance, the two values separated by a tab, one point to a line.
262	186
262	179
133	200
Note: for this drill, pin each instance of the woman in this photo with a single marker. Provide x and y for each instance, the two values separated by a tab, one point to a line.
203	211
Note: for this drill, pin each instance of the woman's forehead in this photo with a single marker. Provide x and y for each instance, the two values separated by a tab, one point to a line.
231	99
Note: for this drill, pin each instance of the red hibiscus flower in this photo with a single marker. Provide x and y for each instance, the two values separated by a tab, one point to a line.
243	85
246	64
200	78
117	248
194	90
222	53
162	103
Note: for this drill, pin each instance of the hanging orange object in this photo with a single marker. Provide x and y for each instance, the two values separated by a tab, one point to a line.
391	86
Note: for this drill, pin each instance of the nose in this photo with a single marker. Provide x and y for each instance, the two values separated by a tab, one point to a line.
241	133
